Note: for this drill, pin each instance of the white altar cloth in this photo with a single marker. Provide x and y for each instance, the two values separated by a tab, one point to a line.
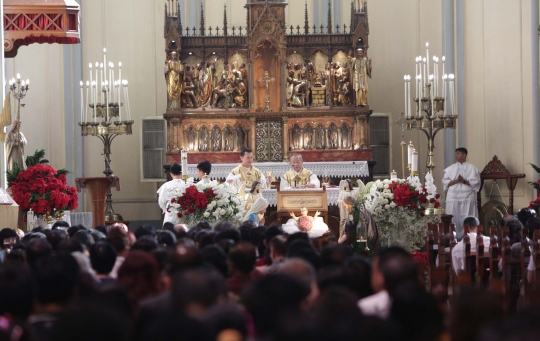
333	169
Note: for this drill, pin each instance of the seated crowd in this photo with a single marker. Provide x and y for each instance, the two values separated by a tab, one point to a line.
225	282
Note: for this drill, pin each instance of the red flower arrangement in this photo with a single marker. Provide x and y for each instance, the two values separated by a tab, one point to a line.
406	195
193	201
44	190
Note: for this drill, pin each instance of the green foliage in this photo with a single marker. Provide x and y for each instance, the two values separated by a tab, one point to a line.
12	175
34	159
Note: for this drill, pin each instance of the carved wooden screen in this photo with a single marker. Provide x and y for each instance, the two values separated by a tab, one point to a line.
269	144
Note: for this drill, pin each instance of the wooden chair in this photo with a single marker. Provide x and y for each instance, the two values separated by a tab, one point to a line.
482	262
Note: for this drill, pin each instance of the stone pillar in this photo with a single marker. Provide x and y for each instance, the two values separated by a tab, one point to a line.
253	136
534	86
285	138
449	52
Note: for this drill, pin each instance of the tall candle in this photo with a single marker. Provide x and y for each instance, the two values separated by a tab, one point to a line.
102	83
444	88
409	94
414	167
94	85
82	100
445	80
90	67
87	101
410	150
405	91
427	57
119	104
393	175
419	84
184	156
425	79
105	61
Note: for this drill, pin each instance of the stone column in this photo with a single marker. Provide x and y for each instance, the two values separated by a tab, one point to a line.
449	52
285	137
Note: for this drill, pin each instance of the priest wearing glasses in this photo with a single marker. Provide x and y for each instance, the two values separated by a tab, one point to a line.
298	176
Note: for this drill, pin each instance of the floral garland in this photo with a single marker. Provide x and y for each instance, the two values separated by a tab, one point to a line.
210	201
398	207
44	190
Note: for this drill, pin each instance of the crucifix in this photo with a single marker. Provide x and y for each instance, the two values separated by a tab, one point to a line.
267	79
402	122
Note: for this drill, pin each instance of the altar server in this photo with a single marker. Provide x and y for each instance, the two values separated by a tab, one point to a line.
298	175
168	190
461	182
245	173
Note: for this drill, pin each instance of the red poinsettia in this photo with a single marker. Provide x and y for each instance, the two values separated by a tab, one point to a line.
45	191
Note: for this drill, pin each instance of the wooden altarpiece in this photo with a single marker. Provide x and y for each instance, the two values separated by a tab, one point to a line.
310	103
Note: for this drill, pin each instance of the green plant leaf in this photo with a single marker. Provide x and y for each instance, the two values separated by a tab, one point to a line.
536	168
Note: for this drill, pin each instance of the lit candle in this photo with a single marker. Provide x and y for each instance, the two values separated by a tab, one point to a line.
427	57
405	91
87	101
425	79
451	89
419	85
414	168
416	79
94	85
97	82
90	67
393	175
409	94
184	156
105	62
107	93
82	101
18	76
444	88
101	100
119	104
410	150
445	80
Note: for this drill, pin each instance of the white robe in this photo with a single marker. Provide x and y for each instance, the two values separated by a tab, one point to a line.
318	228
461	198
284	184
164	193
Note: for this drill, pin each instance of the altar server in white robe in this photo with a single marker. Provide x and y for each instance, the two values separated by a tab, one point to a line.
167	191
461	182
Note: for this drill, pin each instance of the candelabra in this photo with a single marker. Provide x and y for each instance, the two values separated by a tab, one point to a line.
430	101
104	99
18	89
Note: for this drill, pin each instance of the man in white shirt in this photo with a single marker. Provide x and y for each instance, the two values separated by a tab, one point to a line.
298	175
458	252
461	181
245	173
167	190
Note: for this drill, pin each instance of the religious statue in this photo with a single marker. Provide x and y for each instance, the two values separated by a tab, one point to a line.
240	137
173	75
216	138
299	93
333	137
326	76
345	136
337	76
240	93
228	138
188	94
203	139
207	78
344	92
295	137
221	94
14	146
253	195
345	190
361	67
321	137
314	226
191	134
308	136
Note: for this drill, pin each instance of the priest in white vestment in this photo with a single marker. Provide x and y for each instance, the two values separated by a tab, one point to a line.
167	191
461	181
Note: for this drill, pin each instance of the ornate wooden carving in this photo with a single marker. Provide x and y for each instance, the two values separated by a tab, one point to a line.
495	166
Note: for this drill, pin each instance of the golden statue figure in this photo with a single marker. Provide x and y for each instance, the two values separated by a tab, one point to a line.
173	75
361	67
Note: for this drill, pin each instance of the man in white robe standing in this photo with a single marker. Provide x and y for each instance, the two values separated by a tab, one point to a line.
166	191
461	181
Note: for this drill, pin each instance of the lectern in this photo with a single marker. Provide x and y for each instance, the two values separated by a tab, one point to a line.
97	188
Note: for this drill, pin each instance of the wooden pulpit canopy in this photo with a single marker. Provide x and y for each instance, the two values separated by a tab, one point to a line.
496	170
40	21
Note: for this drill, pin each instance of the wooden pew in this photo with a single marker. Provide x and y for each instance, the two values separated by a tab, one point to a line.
482	262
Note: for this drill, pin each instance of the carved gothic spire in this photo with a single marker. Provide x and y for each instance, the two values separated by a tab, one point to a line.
351	27
329	17
224	20
306	23
179	22
166	28
202	20
367	17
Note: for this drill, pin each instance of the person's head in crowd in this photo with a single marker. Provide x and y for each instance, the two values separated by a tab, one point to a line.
121	226
301	248
225	321
226	245
56	281
199	235
514	231
178	230
187	242
274	299
102	257
166	238
168	226
145	243
506	218
257	239
204	225
192	232
223	225
232	234
295	236
97	235
37	229
69	245
272	232
16	291
36	250
278	248
73	229
472	223
55	237
196	290
304	271
525	214
335	254
206	239
162	255
60	224
414	313
17	254
358	271
391	267
472	309
120	240
245	229
533	224
8	238
176	170
216	257
37	235
84	262
145	230
139	276
84	237
203	168
242	258
44	162
103	229
183	258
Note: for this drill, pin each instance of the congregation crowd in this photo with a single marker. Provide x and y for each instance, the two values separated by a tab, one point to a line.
225	282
